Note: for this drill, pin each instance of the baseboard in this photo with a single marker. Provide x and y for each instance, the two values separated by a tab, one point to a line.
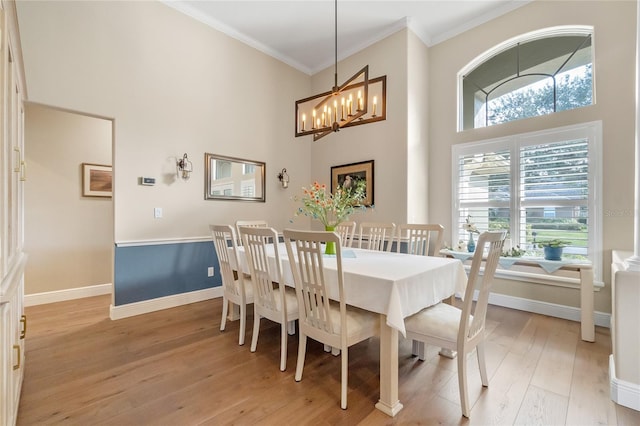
160	303
67	294
623	392
601	319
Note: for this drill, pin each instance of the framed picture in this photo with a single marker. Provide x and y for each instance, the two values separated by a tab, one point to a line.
348	174
97	180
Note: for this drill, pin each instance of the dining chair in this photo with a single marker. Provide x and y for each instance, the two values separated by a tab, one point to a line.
421	239
462	329
346	230
272	299
237	287
249	223
330	322
377	234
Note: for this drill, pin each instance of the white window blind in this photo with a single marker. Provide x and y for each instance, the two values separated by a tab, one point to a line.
538	186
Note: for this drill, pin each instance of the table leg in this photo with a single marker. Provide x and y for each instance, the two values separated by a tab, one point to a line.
586	305
389	402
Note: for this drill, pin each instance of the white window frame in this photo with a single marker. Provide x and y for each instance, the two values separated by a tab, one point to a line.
592	131
522	38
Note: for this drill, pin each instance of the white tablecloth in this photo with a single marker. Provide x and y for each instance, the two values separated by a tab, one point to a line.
394	284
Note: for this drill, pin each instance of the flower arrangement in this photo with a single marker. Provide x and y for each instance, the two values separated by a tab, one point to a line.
469	226
331	209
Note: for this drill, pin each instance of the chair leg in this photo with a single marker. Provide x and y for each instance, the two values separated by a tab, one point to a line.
225	307
344	378
291	327
462	383
482	364
256	331
283	346
302	349
243	323
418	349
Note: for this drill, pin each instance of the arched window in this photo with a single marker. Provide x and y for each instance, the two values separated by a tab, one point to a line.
534	74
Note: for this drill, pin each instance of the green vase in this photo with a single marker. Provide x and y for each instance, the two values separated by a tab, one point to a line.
331	246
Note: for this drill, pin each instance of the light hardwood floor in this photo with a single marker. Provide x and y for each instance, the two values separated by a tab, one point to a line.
175	367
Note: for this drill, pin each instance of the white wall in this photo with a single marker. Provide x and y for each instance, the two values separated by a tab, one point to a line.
68	237
614	65
385	142
172	86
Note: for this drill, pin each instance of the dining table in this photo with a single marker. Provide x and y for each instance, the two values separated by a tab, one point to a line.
393	285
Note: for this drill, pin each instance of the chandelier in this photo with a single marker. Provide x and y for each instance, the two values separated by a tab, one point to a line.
359	100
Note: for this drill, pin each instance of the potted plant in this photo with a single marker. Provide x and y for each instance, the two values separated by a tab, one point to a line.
553	248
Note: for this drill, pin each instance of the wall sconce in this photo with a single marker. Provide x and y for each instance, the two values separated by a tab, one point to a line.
184	167
283	177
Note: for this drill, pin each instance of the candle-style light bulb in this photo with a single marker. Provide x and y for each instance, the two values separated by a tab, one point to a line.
342	110
304	117
313	120
375	104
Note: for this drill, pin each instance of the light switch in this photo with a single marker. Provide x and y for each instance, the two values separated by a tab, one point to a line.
157	212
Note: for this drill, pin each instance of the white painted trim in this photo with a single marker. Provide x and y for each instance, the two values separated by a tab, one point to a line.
623	392
11	280
159	242
67	294
571	313
160	303
233	33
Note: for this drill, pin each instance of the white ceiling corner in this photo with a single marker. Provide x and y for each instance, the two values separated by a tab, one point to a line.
300	33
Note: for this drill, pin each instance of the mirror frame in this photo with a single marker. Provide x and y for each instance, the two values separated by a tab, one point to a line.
208	157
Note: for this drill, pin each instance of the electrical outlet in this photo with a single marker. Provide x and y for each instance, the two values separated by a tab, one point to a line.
157	212
210	271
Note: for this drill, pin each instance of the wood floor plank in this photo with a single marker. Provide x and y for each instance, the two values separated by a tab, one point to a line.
175	367
555	367
508	386
590	383
541	407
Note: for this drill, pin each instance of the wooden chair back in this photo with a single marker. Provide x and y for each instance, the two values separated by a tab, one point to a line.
251	224
306	247
346	230
224	237
379	235
263	273
421	239
488	251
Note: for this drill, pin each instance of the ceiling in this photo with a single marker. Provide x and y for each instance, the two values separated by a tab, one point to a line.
301	32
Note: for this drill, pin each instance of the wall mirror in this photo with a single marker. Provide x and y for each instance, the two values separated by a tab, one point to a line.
229	178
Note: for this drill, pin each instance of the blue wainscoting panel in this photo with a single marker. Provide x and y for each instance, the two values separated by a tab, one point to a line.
147	272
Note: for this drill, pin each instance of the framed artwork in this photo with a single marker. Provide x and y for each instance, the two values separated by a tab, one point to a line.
348	174
97	180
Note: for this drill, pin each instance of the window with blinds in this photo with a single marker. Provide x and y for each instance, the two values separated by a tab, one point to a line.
537	186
